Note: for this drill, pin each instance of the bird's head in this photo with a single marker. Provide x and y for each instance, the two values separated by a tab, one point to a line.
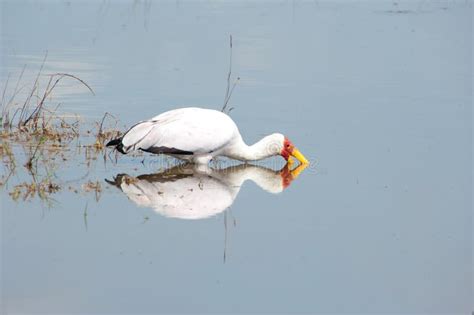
286	149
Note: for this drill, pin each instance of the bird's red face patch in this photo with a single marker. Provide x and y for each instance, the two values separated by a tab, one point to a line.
287	149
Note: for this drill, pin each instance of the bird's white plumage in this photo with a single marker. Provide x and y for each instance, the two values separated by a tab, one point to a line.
198	135
196	130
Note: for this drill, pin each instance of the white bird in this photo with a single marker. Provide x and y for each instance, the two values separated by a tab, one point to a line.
197	135
191	191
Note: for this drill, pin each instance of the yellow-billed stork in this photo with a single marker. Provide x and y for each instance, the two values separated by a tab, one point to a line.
197	135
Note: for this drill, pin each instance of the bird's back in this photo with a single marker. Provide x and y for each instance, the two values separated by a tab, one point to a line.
192	130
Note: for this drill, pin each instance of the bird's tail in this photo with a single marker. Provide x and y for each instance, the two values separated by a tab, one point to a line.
117	143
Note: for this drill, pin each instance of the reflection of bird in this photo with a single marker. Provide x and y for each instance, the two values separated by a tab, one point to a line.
197	135
197	191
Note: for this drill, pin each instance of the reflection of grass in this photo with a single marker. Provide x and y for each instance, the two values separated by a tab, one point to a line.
29	164
85	216
95	187
29	190
8	159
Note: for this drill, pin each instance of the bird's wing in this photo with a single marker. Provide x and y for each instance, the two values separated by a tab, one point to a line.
185	131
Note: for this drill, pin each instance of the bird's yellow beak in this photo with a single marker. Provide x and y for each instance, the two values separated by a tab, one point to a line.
299	156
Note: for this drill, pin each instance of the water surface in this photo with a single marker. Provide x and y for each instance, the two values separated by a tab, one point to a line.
377	95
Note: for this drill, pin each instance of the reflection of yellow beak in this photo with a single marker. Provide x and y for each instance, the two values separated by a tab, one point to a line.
297	170
288	174
299	156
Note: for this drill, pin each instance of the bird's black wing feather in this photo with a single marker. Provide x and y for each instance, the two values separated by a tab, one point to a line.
166	150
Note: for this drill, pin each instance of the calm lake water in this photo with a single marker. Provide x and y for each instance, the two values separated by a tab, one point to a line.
377	94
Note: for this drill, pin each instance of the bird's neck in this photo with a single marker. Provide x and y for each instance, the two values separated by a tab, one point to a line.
258	151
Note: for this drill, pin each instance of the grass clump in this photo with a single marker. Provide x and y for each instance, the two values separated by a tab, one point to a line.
37	141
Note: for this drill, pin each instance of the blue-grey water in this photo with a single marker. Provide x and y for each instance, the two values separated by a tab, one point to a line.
377	94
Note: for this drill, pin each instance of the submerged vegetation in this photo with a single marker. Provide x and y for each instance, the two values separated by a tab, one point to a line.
38	142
